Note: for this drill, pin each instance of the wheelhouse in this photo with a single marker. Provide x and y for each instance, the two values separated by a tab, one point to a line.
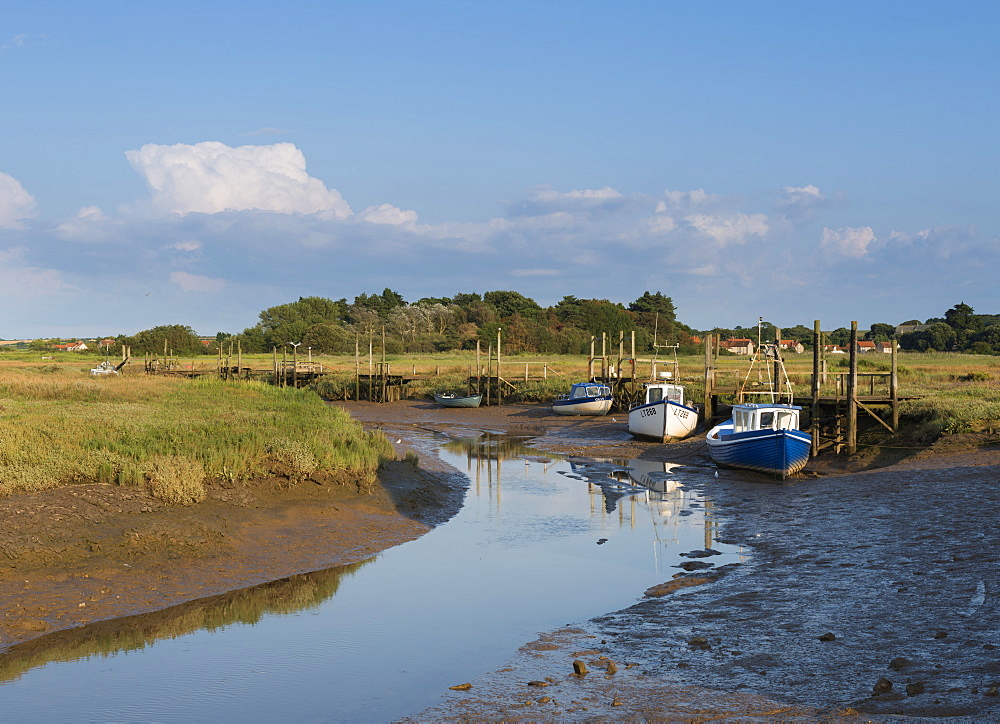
765	417
583	389
661	392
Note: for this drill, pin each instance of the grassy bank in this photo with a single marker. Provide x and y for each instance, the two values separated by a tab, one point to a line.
60	426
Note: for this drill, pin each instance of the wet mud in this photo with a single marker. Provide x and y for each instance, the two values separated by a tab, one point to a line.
89	553
863	594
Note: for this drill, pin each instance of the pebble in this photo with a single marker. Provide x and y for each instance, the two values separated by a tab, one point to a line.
882	686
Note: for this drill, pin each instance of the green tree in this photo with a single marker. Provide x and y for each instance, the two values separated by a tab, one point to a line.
508	303
328	338
382	304
880	332
177	338
655	304
289	322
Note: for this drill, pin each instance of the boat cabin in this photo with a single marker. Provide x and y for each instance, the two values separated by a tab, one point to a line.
660	392
588	389
765	417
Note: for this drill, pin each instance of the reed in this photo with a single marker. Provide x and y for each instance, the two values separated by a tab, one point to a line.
59	426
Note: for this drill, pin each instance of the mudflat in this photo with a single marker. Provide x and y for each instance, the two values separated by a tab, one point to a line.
864	592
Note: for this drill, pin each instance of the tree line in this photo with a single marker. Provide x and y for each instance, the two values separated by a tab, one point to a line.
438	324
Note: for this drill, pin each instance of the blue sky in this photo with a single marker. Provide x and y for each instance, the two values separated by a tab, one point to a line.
195	163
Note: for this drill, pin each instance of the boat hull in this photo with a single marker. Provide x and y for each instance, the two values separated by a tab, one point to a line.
662	421
583	406
774	452
450	401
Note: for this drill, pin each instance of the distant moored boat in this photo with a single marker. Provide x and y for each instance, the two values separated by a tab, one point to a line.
450	399
584	398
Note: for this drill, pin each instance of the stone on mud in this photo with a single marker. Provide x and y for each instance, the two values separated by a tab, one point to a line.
882	686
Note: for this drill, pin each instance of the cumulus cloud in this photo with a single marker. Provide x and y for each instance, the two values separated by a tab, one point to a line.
731	229
16	204
850	242
546	200
680	200
196	283
211	177
388	214
186	245
801	203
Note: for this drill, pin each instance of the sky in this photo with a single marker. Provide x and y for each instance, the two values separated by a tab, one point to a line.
197	162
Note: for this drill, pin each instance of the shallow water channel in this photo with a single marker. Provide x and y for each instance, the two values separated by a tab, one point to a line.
539	543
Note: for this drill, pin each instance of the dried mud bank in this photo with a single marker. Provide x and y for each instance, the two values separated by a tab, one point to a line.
87	553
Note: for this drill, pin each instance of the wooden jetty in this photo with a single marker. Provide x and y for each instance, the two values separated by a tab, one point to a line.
832	413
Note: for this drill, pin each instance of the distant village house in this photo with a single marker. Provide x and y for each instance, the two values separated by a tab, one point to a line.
737	346
790	345
70	347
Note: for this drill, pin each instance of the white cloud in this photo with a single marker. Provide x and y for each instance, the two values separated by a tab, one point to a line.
212	177
16	204
388	214
731	229
546	200
801	195
848	241
196	283
801	203
685	200
186	245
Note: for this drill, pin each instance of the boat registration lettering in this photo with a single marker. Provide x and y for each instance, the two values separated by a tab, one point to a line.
683	414
647	411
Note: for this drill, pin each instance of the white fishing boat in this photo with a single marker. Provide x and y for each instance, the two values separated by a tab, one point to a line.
662	416
584	398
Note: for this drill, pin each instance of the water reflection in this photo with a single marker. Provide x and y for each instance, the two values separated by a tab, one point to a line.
133	633
540	541
634	488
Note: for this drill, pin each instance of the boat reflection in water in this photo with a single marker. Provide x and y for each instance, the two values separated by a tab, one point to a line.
576	538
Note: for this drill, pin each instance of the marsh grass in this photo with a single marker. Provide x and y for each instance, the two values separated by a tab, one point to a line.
61	426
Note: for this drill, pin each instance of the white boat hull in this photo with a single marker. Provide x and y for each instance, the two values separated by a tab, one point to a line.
591	406
662	421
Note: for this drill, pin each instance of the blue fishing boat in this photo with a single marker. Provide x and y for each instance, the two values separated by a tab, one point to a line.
584	398
761	437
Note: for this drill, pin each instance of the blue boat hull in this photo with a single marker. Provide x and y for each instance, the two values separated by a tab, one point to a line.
775	452
455	401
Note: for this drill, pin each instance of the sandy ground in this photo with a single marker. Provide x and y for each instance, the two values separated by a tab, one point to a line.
851	578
